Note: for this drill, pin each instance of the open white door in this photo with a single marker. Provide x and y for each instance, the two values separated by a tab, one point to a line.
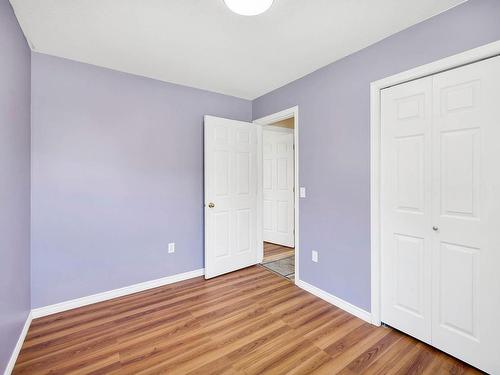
230	195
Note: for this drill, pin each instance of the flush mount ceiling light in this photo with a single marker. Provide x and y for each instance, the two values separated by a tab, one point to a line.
249	7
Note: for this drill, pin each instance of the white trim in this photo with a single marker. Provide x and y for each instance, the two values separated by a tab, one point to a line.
19	345
340	303
104	296
464	58
279	129
260	208
266	121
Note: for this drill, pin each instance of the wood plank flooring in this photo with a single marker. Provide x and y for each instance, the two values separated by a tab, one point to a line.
247	322
274	252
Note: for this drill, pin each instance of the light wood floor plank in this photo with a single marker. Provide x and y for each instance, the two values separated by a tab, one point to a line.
247	322
274	252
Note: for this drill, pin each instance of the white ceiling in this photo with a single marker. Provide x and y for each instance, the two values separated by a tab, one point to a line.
200	43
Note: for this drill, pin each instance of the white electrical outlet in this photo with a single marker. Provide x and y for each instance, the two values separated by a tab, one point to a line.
171	248
314	255
302	192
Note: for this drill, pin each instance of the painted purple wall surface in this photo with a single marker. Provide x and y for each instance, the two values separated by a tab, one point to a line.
334	113
117	174
14	182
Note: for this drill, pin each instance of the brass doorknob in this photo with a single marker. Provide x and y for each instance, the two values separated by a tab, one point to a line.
211	205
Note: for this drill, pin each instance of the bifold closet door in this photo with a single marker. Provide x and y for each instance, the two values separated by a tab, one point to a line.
440	211
406	207
466	213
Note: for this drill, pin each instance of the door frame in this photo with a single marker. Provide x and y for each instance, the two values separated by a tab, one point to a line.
455	61
266	121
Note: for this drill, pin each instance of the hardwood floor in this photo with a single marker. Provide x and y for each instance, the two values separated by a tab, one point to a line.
274	252
247	322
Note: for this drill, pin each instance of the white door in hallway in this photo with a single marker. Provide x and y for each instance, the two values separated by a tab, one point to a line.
278	184
441	211
230	195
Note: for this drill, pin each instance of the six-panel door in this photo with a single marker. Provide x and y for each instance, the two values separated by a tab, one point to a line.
230	195
278	184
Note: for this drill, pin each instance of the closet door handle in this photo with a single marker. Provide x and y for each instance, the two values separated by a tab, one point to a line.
435	229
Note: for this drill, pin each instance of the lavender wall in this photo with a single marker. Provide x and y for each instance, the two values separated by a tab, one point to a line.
14	181
117	175
334	110
118	167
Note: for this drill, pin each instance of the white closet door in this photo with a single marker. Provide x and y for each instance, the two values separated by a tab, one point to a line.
406	207
466	193
440	205
278	183
230	195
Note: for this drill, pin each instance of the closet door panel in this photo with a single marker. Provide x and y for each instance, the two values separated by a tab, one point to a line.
466	196
406	209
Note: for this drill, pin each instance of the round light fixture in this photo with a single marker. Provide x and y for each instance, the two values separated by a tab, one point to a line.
249	7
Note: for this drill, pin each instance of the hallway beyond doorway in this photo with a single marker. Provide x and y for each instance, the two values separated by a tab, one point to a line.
279	259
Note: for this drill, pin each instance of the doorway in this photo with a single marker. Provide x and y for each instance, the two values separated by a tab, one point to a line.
277	193
234	194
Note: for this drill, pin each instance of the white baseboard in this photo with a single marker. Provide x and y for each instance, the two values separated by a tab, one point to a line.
344	305
19	344
104	296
